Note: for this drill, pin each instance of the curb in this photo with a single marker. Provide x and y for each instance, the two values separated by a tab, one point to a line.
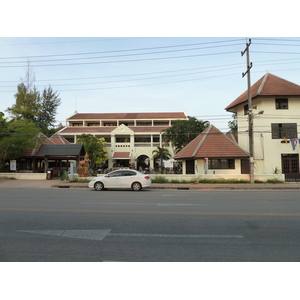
199	187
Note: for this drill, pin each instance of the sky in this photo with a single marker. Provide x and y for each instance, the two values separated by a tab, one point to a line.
198	75
131	67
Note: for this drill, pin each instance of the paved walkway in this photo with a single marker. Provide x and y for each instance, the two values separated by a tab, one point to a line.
62	184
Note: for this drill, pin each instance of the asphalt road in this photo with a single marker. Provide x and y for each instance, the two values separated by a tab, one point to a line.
149	226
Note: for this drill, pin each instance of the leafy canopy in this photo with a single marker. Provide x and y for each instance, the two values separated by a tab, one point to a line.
233	124
15	137
94	147
40	108
161	152
184	131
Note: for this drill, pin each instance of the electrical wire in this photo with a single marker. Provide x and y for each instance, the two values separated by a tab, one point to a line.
135	49
123	61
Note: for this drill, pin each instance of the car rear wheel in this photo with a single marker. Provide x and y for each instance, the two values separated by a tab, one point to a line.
136	186
98	186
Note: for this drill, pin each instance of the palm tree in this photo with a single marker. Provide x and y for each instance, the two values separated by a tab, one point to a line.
161	153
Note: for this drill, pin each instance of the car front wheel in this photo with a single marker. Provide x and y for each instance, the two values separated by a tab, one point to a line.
99	186
136	186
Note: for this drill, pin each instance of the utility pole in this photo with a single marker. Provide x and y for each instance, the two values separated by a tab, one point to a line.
250	113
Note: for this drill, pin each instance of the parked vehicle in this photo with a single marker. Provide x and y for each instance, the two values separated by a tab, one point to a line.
121	179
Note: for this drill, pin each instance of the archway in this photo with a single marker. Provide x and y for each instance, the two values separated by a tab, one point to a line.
143	163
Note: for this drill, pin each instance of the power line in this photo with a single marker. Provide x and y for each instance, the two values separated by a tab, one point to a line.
138	79
230	66
275	52
123	61
135	49
66	42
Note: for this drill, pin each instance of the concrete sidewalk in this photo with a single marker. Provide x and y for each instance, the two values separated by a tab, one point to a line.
9	183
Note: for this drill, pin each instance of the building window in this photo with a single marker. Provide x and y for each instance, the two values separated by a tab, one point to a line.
284	130
282	103
77	124
110	124
123	139
143	139
246	109
221	164
156	139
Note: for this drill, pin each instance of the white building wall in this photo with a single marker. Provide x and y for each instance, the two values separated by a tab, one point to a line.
267	151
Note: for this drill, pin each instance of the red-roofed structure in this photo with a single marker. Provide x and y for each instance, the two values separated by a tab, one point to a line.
212	150
276	119
267	86
135	133
211	143
34	160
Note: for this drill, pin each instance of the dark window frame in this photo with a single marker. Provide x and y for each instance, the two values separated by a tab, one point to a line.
282	103
129	173
115	174
221	164
284	130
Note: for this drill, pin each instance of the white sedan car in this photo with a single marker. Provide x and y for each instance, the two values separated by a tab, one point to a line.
121	179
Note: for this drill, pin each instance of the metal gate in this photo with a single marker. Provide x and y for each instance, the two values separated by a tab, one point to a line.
290	167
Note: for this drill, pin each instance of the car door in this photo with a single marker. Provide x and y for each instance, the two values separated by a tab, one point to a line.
113	180
128	178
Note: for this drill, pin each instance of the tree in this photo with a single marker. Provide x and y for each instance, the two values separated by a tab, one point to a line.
33	105
233	124
184	131
49	101
95	148
15	137
36	107
27	104
161	153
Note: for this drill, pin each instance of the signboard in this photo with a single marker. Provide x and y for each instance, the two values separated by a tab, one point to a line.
13	165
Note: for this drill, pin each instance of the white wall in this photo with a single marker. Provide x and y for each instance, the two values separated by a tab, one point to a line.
267	151
261	177
25	176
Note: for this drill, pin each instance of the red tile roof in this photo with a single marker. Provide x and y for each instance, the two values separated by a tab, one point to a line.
44	140
212	143
41	139
119	155
108	129
58	139
268	85
128	116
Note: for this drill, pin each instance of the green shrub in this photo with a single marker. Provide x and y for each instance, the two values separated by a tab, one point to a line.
80	180
159	179
8	177
274	180
162	179
221	180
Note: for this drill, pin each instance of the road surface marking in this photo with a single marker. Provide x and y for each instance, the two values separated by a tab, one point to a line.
192	213
197	236
100	234
144	204
180	204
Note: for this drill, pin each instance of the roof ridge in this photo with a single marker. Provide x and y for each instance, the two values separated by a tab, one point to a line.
204	136
259	90
235	143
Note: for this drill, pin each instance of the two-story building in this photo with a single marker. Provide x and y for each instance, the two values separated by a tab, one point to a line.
276	111
130	137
